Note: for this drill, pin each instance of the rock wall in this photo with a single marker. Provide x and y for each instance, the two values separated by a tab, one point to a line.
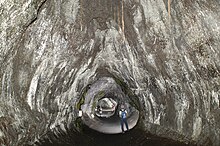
51	50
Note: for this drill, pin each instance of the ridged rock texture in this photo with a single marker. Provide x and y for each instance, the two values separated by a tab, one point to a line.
167	52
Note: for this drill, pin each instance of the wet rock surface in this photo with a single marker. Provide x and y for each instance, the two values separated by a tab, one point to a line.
51	50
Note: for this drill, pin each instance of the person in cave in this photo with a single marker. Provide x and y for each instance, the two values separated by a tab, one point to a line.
123	115
99	109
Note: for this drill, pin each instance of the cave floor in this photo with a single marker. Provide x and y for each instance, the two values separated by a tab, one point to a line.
89	137
110	125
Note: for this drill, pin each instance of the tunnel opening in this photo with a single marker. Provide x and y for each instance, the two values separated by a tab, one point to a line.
102	104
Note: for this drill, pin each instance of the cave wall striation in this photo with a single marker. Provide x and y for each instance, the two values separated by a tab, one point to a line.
51	50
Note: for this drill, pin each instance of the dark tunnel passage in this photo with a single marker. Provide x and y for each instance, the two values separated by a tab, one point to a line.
104	129
102	103
67	66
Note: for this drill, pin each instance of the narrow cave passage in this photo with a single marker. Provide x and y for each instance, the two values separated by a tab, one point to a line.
102	104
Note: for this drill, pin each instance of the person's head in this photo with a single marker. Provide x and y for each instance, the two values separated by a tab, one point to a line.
122	107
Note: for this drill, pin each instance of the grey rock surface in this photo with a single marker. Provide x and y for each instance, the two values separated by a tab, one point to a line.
51	50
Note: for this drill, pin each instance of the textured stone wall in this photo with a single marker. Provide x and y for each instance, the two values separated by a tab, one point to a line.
50	50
